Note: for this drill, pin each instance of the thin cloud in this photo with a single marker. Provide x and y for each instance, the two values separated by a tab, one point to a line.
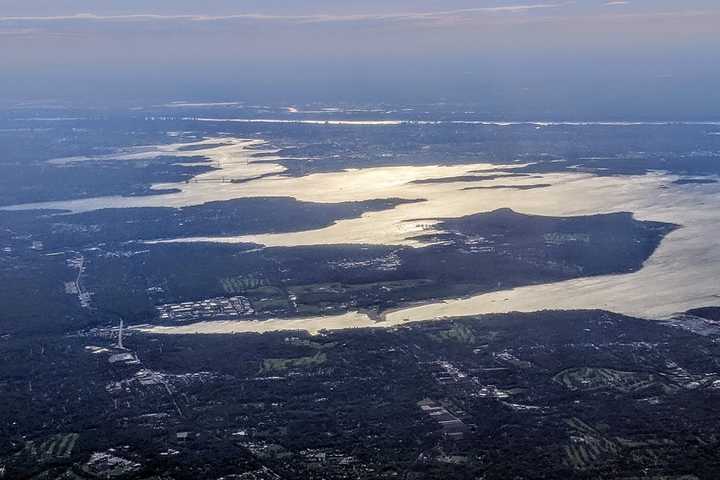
440	17
562	13
31	32
18	32
315	18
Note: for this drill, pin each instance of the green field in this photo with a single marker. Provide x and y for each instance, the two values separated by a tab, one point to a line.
271	365
591	378
242	283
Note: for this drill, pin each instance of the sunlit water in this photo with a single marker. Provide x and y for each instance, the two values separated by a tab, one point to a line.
681	274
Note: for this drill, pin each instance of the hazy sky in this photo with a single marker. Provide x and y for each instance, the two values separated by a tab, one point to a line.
639	54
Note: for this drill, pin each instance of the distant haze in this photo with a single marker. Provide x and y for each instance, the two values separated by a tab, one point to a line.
532	58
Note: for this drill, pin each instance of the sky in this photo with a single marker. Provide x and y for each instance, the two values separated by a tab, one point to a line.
641	57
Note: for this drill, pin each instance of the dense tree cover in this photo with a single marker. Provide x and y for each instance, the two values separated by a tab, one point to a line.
356	413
